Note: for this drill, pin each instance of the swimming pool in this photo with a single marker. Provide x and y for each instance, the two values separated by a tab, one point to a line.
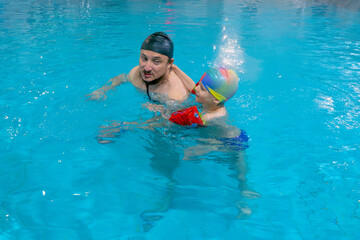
299	101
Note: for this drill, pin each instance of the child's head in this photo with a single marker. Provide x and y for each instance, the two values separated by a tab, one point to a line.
216	85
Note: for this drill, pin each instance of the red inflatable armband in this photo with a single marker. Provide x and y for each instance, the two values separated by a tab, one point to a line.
187	117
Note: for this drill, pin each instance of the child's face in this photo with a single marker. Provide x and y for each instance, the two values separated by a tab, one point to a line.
203	96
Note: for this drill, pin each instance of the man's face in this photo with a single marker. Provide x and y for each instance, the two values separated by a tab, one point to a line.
153	65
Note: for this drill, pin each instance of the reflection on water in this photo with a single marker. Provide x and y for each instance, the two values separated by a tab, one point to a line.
299	102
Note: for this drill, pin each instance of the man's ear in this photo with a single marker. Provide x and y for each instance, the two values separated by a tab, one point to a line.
171	61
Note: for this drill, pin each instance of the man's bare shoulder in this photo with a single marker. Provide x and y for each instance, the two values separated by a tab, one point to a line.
185	79
133	72
177	89
134	77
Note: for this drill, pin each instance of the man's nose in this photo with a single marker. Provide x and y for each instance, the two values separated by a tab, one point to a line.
147	66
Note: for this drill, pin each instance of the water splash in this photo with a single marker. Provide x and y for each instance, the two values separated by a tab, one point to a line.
230	55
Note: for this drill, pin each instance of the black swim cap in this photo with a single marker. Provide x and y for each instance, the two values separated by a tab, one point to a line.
159	42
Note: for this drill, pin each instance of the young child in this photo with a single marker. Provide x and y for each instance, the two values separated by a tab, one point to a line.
216	86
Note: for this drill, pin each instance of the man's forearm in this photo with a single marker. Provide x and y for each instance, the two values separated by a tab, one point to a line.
114	82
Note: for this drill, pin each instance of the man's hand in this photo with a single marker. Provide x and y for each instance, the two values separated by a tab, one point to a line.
100	94
97	95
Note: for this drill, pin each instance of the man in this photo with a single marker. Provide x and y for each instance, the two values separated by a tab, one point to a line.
154	74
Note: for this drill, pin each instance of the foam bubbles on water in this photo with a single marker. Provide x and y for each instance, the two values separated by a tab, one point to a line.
325	102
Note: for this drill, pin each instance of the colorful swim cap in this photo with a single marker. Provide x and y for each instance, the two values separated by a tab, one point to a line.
159	42
222	83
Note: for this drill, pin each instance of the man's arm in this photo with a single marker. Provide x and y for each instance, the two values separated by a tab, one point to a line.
186	80
100	94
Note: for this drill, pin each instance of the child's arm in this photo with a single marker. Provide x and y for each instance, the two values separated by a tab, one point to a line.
186	80
215	115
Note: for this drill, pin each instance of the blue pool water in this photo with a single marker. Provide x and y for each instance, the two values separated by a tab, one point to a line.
299	101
